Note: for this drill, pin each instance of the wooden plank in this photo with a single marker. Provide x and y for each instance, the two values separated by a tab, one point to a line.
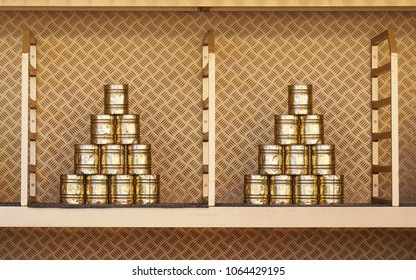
32	104
209	40
205	136
32	136
205	128
32	153
205	104
211	129
381	70
24	129
395	130
392	42
205	71
375	191
32	120
32	168
26	41
205	187
381	168
381	136
32	71
374	121
380	103
32	185
380	38
205	169
381	201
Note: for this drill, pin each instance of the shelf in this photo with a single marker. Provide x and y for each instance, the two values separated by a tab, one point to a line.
258	217
211	5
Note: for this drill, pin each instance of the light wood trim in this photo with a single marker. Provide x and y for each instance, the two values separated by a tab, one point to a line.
380	103
374	120
381	136
394	130
381	70
24	161
211	129
241	217
381	168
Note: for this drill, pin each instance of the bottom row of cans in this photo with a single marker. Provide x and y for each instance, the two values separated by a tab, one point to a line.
109	189
300	189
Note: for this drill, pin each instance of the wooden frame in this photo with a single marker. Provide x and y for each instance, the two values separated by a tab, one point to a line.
376	104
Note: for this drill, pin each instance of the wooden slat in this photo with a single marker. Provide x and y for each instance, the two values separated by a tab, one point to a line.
32	104
32	71
392	42
395	196
32	168
377	200
209	40
381	136
381	168
26	41
32	136
205	104
205	136
380	38
205	71
205	169
380	103
381	70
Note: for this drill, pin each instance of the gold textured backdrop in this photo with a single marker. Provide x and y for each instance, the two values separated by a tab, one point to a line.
159	55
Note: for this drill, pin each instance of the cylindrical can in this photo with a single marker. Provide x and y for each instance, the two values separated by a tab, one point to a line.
311	129
256	189
122	189
296	160
270	159
286	130
96	189
305	189
323	159
147	189
300	99
280	187
112	159
331	189
139	159
72	189
128	129
86	159
102	129
116	99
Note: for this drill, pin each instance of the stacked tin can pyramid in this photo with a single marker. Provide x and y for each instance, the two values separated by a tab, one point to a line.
114	168
299	168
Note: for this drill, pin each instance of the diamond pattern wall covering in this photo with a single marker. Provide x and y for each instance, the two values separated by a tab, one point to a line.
188	243
159	55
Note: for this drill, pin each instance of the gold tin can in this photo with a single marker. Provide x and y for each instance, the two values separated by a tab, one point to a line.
331	189
86	159
122	189
280	187
256	189
300	99
112	159
296	160
96	189
311	129
102	129
270	159
72	189
305	189
127	129
147	189
323	159
116	99
286	130
139	159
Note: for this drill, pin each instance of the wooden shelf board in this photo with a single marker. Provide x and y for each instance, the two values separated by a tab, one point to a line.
253	217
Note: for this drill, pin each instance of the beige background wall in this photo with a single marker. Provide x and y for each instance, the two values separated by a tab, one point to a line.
159	55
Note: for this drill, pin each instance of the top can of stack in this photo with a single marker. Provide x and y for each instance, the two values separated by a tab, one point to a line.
300	99
116	99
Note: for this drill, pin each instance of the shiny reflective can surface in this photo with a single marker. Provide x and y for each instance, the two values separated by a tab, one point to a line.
270	159
122	189
147	189
116	99
86	159
323	159
72	189
296	160
280	187
128	129
96	189
311	129
139	159
112	159
305	189
102	129
331	189
286	130
256	189
300	99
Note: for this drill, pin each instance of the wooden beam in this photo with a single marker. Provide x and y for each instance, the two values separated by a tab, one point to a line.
32	168
205	104
381	168
32	104
381	135
205	71
205	136
377	200
209	40
381	70
32	136
380	38
380	103
32	71
205	169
